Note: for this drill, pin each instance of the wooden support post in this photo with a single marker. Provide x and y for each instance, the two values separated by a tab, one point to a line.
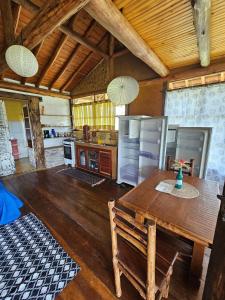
202	16
38	143
111	205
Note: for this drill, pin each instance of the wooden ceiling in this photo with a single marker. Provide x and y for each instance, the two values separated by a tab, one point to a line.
167	26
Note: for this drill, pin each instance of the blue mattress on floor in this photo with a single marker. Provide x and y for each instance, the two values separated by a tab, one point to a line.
9	206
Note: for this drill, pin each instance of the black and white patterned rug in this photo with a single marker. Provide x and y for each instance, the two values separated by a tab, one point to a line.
32	263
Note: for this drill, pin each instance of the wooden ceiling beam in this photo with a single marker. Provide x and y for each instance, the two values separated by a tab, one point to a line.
110	64
120	53
66	30
8	23
28	5
49	17
202	16
108	15
30	89
35	52
53	58
73	55
16	16
82	40
85	61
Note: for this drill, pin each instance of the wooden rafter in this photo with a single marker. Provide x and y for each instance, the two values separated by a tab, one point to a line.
73	54
16	16
35	52
66	30
120	53
53	58
202	16
50	16
111	58
8	23
85	61
107	14
31	89
82	40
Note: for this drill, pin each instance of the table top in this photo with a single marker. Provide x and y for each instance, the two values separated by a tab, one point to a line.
193	218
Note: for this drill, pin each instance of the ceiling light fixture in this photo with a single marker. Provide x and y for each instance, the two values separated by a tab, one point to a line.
123	90
21	60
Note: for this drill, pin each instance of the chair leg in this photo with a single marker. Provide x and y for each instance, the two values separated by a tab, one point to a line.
117	275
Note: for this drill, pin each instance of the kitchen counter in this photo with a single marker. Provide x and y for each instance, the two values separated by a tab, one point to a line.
95	145
53	142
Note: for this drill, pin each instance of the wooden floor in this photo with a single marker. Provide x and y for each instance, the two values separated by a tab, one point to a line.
23	165
77	215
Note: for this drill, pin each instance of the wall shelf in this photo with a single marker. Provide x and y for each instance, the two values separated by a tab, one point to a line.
56	126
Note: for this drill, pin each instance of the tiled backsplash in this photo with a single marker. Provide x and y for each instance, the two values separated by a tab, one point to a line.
102	137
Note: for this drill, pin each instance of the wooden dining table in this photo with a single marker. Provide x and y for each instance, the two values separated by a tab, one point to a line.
195	219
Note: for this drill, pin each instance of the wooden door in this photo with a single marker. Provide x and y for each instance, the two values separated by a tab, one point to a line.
215	279
105	163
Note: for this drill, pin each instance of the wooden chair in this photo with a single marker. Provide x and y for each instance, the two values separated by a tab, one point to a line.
189	172
146	262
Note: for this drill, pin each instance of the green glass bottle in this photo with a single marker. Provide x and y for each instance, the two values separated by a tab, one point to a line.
179	179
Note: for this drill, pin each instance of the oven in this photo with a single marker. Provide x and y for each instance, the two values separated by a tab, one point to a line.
69	152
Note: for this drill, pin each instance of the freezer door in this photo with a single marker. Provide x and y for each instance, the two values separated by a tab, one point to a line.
194	142
152	146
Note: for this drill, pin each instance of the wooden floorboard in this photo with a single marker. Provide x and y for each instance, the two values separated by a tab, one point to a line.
77	215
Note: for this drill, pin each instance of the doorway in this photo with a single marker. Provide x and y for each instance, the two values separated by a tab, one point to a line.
20	134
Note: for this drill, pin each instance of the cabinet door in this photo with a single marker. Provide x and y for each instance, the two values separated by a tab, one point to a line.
194	142
82	157
152	146
105	162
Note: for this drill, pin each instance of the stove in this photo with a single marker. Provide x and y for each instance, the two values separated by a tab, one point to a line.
69	152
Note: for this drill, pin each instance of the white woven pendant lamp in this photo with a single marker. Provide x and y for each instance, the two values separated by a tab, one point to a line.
21	60
123	90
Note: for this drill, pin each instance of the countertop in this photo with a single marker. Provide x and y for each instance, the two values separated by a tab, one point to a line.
95	145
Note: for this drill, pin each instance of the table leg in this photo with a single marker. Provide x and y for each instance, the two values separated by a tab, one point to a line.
139	218
197	260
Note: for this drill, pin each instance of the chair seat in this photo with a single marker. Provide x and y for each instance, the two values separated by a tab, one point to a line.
136	262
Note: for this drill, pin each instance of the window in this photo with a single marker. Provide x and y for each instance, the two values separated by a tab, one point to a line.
202	107
97	112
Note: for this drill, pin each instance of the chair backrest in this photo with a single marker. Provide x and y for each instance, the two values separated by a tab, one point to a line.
190	164
143	238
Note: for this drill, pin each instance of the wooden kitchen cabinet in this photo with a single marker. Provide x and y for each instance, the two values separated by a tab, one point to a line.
97	159
105	163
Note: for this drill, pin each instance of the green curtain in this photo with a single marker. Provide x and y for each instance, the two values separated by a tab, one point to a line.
98	115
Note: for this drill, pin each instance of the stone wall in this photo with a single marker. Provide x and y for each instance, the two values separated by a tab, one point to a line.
7	164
